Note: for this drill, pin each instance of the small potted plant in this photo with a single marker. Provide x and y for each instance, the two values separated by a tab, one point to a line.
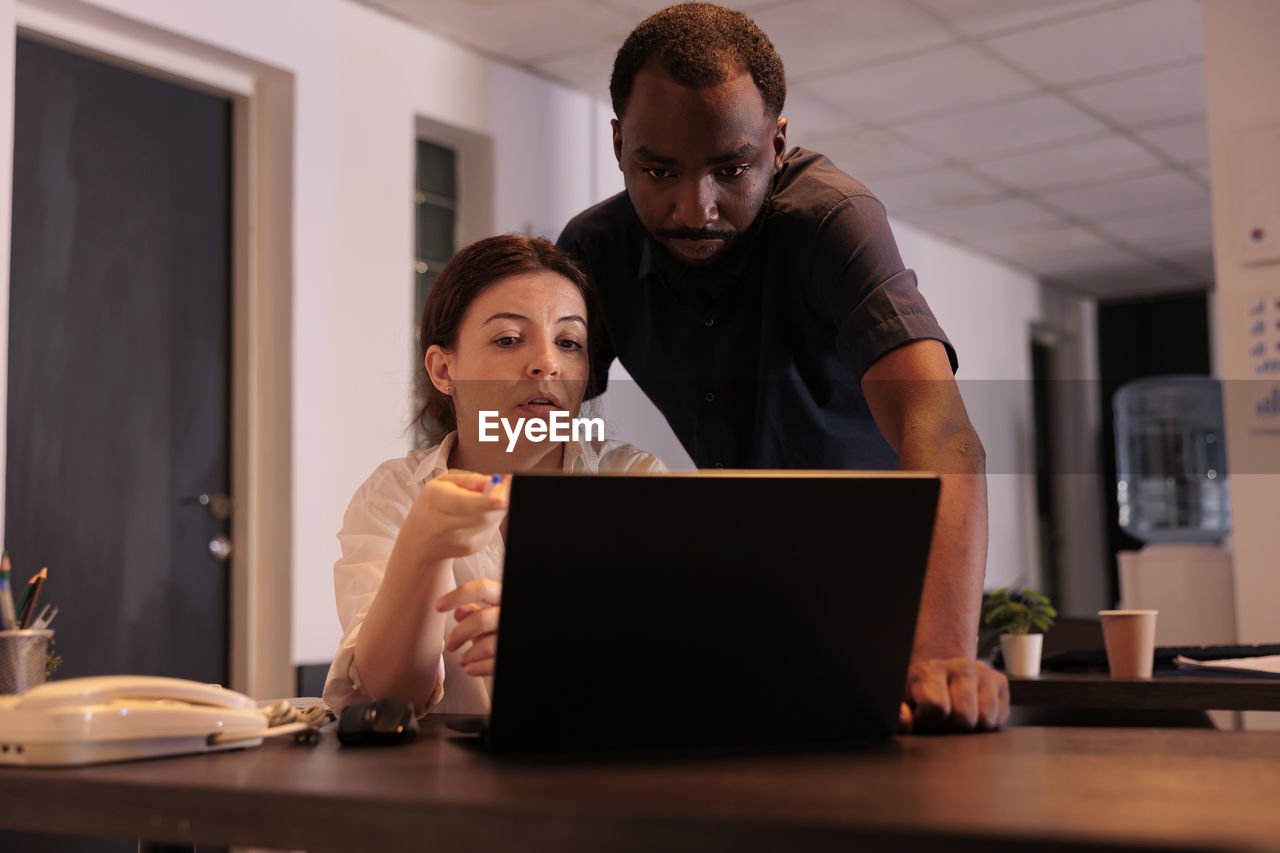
1013	614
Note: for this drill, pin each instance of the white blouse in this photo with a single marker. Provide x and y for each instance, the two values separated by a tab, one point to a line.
369	530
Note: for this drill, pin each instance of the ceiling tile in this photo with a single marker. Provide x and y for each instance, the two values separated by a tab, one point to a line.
910	127
586	71
1197	261
1112	199
1144	98
969	223
1189	227
521	31
642	9
950	78
933	188
1125	280
1047	250
998	128
821	35
1186	143
983	17
1069	165
1114	41
810	115
867	153
1095	269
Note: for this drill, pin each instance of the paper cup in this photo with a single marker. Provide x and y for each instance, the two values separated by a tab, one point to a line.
1130	637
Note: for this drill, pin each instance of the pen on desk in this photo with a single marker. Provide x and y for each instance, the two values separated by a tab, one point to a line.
31	595
7	615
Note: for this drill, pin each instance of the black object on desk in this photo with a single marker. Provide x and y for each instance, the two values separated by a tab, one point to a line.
378	722
725	597
1095	660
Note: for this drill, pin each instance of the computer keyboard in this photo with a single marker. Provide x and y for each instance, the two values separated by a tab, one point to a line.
1095	660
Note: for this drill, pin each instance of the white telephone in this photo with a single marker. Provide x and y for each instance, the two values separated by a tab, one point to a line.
124	717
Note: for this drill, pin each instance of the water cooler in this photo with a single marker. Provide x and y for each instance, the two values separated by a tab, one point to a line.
1172	490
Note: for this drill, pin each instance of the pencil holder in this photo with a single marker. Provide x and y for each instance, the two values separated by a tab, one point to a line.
22	659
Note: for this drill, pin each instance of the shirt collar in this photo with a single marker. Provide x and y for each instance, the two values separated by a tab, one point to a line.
436	461
579	457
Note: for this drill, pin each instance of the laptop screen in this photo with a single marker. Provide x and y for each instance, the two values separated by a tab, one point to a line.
708	609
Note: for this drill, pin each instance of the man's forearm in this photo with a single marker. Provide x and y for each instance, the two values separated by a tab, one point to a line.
951	603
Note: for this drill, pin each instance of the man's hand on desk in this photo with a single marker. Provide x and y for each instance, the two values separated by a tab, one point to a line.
953	695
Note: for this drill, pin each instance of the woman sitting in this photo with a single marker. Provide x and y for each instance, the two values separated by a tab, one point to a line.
506	329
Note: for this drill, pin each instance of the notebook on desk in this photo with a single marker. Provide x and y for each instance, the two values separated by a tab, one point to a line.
707	609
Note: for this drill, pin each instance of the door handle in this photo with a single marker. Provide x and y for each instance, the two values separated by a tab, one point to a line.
220	506
220	548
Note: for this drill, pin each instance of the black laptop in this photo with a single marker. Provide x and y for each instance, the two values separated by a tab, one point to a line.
707	610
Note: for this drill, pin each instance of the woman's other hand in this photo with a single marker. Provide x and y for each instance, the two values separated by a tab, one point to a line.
475	607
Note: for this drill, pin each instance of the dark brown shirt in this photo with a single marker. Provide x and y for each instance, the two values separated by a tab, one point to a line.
758	364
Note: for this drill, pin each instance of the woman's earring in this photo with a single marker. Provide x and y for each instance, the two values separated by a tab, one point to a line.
448	389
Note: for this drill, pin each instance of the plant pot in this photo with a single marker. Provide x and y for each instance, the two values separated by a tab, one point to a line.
1021	653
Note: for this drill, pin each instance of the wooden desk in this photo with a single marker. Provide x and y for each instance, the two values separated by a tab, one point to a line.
1163	692
1058	789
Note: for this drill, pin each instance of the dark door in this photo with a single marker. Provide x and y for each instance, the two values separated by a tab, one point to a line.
119	337
119	354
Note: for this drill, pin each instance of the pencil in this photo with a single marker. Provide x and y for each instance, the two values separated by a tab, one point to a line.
21	606
7	616
30	595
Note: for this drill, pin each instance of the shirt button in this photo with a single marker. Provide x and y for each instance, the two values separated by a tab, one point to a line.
710	398
709	322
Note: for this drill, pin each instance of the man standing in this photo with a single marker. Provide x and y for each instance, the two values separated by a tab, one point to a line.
758	298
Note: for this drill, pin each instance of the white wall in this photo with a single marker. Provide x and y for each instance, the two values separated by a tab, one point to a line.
1242	69
542	178
363	83
987	311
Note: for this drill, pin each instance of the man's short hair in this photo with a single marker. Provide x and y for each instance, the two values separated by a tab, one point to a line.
700	45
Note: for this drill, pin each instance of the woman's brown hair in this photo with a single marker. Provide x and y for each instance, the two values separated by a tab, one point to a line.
471	272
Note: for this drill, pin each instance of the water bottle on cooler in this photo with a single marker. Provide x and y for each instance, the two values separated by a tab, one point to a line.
1171	476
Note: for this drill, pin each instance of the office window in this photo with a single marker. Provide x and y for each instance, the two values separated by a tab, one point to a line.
435	203
435	212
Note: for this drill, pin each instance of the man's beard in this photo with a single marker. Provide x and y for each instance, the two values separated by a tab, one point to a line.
681	266
683	272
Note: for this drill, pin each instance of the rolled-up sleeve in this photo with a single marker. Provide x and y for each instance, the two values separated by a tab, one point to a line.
872	299
369	530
